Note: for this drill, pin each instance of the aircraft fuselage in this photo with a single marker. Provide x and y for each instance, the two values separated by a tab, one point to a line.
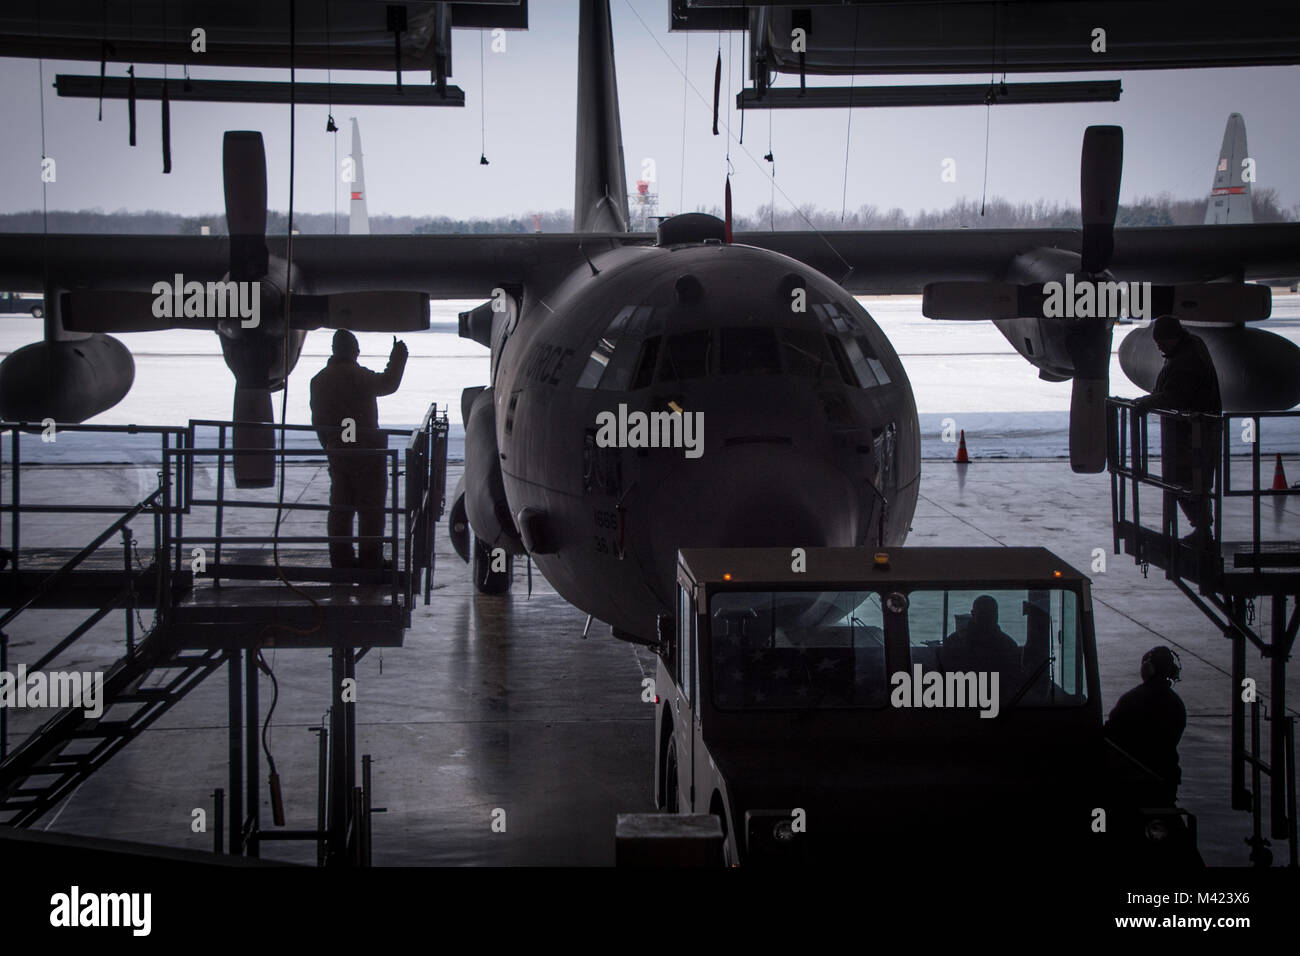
805	422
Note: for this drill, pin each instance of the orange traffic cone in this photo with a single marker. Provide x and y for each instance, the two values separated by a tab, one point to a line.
1279	476
962	458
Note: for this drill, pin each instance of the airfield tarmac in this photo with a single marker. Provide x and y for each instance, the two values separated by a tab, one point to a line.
501	703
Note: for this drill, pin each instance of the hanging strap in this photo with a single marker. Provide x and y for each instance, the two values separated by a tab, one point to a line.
166	129
717	90
105	50
130	102
727	205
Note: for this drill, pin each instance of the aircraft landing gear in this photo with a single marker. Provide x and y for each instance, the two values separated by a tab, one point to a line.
493	568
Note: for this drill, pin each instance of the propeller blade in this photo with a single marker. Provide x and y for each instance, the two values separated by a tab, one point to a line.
981	300
1220	303
94	310
362	311
243	164
1088	424
1100	170
254	458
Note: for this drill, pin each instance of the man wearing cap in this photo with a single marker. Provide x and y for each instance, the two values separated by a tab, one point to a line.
1187	383
346	417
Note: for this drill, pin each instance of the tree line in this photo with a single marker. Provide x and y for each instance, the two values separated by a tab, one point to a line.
997	213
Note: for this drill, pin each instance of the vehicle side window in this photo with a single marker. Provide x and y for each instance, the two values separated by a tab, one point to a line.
685	638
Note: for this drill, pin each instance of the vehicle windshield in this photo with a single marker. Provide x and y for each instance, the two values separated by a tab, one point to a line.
827	649
798	649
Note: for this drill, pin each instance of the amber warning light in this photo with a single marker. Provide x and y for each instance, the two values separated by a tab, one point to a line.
727	576
881	562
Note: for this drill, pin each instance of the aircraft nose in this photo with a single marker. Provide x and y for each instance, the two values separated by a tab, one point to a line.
755	491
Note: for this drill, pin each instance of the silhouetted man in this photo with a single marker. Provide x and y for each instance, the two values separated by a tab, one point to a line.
981	645
346	417
1187	383
1148	721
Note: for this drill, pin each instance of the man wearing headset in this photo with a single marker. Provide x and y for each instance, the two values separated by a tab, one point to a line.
1148	721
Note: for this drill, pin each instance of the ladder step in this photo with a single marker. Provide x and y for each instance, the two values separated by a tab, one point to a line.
185	660
64	763
105	728
143	695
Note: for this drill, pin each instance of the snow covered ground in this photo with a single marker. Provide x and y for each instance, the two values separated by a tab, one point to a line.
961	370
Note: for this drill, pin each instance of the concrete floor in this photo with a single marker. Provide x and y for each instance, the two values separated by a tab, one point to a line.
501	704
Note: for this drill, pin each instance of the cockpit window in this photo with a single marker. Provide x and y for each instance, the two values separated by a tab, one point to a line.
604	350
806	354
617	352
854	354
686	355
750	351
645	366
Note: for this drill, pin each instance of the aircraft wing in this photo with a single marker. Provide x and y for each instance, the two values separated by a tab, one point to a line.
449	267
467	266
904	261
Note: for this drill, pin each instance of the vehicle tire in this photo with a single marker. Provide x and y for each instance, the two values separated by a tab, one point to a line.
38	311
487	581
671	802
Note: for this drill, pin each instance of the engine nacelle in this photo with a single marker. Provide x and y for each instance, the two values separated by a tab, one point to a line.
485	492
1257	370
68	381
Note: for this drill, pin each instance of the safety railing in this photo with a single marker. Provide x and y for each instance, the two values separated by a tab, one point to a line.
125	598
54	442
1203	477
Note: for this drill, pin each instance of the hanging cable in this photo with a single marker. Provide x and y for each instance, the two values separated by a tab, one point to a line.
812	227
166	105
848	129
743	37
681	191
45	205
277	800
482	97
130	87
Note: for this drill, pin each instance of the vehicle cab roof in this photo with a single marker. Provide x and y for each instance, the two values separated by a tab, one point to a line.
842	567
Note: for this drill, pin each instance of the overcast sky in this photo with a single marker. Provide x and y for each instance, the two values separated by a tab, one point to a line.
425	162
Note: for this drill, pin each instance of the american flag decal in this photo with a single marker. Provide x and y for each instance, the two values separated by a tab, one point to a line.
1223	164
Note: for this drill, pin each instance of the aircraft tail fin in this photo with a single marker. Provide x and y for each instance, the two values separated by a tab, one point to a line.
1230	193
359	221
600	186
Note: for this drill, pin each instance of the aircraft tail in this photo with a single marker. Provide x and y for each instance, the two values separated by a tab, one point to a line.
600	187
359	222
1230	194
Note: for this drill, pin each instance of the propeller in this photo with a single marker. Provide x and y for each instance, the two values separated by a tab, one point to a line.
254	438
1100	169
1088	339
255	352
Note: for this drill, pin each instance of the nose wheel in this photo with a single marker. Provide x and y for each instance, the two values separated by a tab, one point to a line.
493	569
